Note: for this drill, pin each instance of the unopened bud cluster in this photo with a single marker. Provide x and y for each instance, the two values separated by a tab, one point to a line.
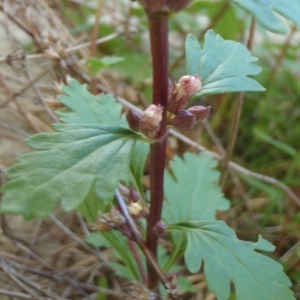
179	95
187	86
149	123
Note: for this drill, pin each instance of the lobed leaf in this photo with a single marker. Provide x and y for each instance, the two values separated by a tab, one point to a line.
85	108
191	193
80	164
264	11
71	162
225	259
191	189
223	66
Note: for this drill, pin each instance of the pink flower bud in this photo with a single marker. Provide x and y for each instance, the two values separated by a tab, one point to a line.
150	122
191	84
177	100
134	120
187	86
200	112
184	120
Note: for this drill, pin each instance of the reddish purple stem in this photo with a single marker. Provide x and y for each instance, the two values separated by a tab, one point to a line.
159	49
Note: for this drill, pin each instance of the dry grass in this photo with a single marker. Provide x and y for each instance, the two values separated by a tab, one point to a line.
46	259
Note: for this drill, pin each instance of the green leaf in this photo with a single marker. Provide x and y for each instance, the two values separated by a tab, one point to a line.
226	259
191	189
122	271
183	282
222	65
263	245
137	164
186	285
69	164
81	169
191	193
264	11
95	64
121	252
97	239
85	108
89	207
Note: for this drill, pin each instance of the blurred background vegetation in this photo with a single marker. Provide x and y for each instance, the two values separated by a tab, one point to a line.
63	34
